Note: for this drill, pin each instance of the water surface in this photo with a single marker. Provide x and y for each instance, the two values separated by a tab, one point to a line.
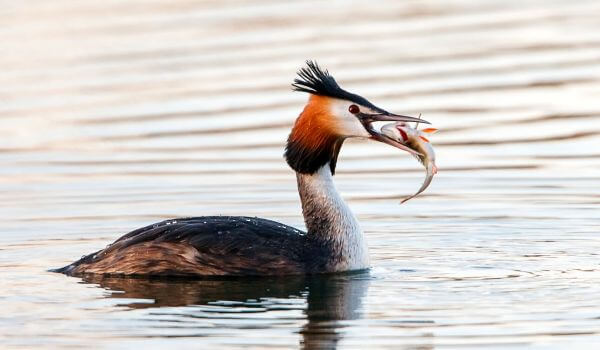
114	115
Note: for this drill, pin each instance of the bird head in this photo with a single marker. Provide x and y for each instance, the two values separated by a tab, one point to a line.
330	116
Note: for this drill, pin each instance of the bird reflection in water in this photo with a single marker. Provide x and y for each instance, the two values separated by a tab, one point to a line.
329	298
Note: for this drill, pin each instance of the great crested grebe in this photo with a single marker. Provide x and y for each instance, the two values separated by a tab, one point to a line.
249	246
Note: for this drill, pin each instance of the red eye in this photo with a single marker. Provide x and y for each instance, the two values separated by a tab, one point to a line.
353	109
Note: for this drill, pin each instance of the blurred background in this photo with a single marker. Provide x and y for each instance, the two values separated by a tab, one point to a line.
116	114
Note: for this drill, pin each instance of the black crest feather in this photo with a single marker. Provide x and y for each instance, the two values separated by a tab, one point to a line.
314	80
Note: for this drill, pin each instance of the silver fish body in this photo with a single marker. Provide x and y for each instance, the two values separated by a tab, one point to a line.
415	139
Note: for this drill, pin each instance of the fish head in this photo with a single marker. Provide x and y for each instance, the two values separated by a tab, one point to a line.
398	132
404	133
414	138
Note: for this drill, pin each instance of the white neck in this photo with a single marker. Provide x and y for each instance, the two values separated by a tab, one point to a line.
329	221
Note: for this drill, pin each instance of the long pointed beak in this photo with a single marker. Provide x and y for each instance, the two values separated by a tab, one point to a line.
391	117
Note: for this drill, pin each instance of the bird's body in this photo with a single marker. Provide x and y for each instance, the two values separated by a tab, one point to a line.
247	246
199	245
241	246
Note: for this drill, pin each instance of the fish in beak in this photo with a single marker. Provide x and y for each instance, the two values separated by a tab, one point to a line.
369	118
417	140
